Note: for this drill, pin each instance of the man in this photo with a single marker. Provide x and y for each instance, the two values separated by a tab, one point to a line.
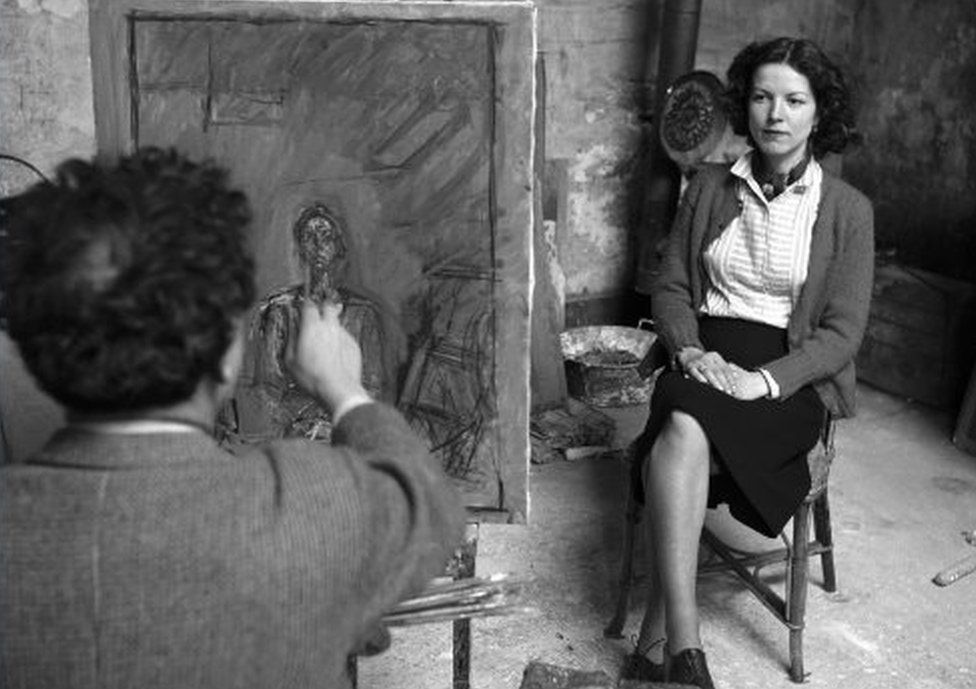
134	552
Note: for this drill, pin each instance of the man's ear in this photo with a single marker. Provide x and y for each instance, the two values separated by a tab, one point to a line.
233	360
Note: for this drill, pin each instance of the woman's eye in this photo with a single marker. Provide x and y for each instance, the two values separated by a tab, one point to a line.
758	97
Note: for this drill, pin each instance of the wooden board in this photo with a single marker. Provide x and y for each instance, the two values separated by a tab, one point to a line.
921	336
964	436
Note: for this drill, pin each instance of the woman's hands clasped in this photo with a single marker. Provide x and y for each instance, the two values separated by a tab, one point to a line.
712	369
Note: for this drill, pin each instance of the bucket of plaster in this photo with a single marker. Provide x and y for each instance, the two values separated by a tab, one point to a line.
602	364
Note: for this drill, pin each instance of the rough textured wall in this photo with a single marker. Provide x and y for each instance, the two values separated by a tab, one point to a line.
916	63
45	116
728	25
594	54
45	84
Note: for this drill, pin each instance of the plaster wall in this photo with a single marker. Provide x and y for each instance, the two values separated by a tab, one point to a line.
46	115
594	56
916	62
45	85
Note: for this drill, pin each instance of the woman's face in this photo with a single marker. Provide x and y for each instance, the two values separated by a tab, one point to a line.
320	247
782	114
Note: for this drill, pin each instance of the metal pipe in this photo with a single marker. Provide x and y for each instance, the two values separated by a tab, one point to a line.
679	41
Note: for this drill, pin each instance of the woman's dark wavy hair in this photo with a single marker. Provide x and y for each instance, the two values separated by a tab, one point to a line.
836	128
122	282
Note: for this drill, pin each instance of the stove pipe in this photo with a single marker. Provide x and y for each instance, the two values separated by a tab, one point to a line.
679	40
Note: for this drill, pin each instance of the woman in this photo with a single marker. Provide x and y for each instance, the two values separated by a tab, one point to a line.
761	303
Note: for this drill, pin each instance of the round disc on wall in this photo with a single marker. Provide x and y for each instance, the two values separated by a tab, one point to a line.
692	119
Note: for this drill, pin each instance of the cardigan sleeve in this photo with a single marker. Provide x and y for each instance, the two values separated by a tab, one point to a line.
827	339
672	297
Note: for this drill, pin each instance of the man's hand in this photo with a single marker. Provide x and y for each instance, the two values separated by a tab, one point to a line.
324	358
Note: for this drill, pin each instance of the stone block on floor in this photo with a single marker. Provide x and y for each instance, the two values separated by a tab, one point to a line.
545	676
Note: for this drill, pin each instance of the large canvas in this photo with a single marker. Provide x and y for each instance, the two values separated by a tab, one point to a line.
387	169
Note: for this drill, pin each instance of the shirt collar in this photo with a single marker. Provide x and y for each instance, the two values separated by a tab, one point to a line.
742	168
138	426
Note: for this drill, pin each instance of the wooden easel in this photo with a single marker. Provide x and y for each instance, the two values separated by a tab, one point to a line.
460	566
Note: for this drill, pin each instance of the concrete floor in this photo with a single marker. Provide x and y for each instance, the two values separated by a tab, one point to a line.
901	494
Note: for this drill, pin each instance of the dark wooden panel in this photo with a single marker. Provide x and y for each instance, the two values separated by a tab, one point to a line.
921	336
965	434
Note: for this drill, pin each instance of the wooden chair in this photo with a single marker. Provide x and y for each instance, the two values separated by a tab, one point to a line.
789	607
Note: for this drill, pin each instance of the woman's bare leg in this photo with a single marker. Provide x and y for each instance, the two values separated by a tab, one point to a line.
676	486
652	631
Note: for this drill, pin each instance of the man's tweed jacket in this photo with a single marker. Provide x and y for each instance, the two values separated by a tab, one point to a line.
162	561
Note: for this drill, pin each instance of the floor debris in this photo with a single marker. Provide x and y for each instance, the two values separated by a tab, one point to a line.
574	430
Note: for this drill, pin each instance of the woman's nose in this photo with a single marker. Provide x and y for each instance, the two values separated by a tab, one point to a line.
775	113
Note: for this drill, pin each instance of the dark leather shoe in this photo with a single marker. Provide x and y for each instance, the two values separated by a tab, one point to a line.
640	668
689	667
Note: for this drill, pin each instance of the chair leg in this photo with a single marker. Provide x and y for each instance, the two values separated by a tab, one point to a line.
797	594
821	528
614	629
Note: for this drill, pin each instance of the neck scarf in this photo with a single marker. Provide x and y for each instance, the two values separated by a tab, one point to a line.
774	183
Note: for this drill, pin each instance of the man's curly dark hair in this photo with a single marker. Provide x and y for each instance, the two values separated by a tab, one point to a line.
836	128
123	281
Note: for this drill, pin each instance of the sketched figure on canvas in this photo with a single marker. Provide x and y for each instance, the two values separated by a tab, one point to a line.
322	252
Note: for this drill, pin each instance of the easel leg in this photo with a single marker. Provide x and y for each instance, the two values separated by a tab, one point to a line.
465	567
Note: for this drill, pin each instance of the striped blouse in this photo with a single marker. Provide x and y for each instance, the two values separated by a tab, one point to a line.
758	264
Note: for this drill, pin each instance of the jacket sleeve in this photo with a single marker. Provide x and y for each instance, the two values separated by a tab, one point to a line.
821	348
374	512
430	518
672	298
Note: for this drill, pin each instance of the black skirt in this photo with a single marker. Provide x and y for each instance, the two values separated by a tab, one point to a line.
760	446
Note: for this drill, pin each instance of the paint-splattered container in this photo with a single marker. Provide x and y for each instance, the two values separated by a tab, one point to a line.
602	364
